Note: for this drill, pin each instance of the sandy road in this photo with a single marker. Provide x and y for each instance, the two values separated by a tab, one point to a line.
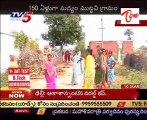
63	79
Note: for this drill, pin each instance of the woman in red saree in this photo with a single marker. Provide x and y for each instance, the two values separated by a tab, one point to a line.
67	56
50	73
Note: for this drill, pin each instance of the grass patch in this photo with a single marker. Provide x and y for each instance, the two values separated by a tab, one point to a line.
130	76
4	80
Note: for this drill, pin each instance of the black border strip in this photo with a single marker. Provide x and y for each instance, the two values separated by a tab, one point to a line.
8	6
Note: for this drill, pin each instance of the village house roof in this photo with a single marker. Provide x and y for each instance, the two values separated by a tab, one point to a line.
109	40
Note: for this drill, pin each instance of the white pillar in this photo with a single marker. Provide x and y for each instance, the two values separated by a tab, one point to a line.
119	51
119	55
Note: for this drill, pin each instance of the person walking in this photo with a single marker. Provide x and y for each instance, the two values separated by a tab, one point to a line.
50	73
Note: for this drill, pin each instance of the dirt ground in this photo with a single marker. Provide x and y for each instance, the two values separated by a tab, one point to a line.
63	80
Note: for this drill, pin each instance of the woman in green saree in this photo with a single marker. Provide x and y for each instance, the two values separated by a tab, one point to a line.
101	70
98	71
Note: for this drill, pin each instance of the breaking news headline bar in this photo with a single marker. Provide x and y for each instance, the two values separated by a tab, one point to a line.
71	7
44	94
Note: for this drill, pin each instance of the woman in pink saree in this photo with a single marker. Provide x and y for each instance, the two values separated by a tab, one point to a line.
50	73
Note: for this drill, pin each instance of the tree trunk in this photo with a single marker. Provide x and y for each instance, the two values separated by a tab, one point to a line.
61	49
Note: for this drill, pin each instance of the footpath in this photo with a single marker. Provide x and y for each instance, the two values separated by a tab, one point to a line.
63	80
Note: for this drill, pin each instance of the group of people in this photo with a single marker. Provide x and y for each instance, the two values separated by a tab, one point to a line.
105	64
51	74
98	71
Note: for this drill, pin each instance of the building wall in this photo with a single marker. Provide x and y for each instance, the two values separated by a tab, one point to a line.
127	47
112	46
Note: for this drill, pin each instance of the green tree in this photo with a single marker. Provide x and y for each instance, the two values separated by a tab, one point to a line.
129	33
55	49
143	47
21	40
62	30
80	45
33	44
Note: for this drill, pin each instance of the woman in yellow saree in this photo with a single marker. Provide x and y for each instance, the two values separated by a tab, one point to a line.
89	71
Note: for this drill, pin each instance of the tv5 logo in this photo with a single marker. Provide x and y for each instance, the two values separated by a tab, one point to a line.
130	15
23	16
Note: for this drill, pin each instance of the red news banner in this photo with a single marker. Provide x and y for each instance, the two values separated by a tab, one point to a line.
20	78
45	94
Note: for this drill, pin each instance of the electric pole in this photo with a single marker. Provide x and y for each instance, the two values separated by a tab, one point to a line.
102	28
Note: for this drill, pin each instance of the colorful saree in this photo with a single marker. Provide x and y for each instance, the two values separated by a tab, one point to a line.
50	75
104	67
111	76
98	72
76	70
14	64
89	72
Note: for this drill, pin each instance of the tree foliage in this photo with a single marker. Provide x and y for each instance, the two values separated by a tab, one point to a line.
142	50
33	44
80	46
62	29
129	33
21	40
143	47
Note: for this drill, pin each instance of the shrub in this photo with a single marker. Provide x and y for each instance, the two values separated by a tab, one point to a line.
4	80
130	76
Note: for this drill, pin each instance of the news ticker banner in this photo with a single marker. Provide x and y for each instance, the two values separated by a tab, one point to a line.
73	103
76	111
19	78
71	7
74	94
